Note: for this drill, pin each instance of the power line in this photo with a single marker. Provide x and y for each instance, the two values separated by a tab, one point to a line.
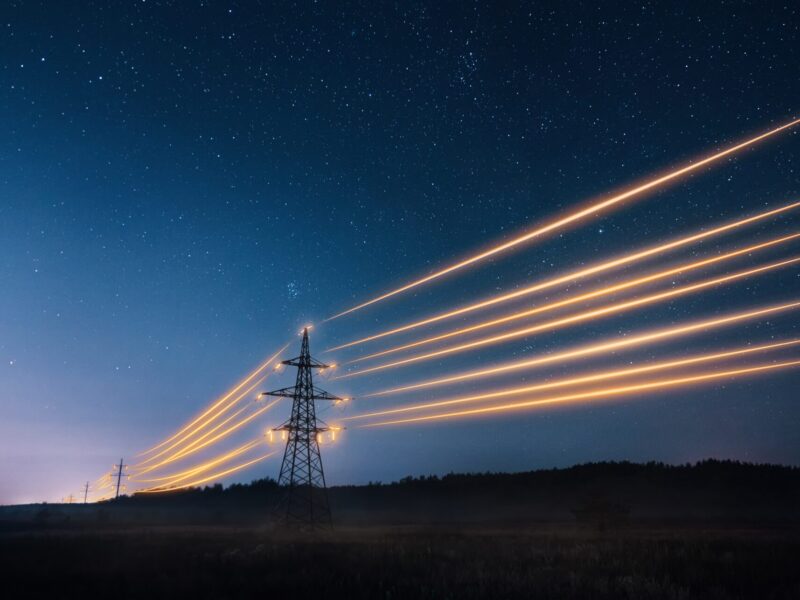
587	211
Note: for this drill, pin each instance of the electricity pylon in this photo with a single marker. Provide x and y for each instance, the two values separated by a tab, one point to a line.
304	502
85	492
119	468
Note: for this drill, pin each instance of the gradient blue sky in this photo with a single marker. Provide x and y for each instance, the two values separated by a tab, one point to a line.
183	185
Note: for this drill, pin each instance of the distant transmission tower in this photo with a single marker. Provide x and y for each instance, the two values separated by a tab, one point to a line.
305	500
119	468
85	492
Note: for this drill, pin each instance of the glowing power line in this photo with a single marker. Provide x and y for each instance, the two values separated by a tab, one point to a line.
213	477
187	437
576	275
608	392
196	448
182	475
604	291
573	381
576	318
236	388
593	349
577	215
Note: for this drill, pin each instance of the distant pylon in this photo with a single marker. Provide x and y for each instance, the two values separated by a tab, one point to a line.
305	498
85	492
119	468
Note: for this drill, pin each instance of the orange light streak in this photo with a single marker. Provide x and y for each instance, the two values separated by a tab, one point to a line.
576	275
241	384
156	490
188	436
103	478
608	392
590	210
182	475
571	381
592	349
194	443
191	450
604	291
610	309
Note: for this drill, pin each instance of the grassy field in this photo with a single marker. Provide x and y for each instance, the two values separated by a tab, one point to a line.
548	561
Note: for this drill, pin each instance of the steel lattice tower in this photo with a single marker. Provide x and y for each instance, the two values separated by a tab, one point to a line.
120	469
305	499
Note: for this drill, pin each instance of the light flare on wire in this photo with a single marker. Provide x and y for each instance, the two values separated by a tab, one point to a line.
602	393
237	387
222	435
611	309
595	349
590	210
188	437
577	275
215	476
578	380
604	291
185	474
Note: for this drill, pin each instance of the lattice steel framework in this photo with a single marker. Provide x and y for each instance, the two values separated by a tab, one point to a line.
304	502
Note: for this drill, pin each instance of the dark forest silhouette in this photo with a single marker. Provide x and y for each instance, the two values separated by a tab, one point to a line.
604	493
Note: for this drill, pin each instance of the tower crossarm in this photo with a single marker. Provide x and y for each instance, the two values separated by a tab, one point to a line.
309	362
323	395
290	392
289	427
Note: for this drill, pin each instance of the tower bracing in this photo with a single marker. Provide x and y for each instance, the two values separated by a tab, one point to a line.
304	501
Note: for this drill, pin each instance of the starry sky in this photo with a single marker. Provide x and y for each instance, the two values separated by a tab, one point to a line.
185	184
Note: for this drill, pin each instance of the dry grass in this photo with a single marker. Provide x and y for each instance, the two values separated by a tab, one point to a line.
547	562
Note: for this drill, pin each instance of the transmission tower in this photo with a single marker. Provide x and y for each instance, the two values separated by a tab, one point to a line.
305	499
85	492
119	468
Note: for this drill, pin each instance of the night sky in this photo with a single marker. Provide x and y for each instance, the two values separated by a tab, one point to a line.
183	185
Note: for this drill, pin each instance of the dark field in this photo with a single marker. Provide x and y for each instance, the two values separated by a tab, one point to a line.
604	530
548	561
